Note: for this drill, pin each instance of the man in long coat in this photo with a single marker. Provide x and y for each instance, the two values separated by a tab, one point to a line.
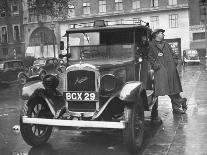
164	62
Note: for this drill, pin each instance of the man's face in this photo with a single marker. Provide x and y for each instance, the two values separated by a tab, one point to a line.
160	35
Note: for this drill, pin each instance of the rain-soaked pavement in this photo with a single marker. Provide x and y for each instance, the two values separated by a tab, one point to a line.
179	134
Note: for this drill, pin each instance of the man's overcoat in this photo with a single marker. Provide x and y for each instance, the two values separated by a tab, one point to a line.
164	62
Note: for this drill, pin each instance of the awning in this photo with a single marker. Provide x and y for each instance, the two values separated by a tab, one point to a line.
48	51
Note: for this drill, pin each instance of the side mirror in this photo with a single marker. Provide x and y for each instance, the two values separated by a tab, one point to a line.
61	45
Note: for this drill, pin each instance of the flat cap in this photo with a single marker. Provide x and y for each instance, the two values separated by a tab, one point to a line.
155	31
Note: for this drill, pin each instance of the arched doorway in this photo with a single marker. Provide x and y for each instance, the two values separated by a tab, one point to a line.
42	43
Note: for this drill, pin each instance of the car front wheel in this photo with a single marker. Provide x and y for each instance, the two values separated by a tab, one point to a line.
22	78
133	133
35	134
42	75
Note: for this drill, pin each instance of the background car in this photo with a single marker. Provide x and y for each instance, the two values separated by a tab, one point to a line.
190	56
43	66
9	70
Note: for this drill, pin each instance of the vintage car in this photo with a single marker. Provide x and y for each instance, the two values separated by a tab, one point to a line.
40	68
9	70
190	56
108	86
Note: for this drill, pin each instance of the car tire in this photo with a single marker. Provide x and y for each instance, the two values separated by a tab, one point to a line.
34	134
133	133
22	78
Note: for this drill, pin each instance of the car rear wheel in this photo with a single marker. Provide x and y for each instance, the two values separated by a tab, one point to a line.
22	78
133	133
34	134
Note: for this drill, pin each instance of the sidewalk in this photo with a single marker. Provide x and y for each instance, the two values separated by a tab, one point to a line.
184	134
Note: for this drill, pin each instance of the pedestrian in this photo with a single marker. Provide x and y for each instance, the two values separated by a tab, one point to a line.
166	78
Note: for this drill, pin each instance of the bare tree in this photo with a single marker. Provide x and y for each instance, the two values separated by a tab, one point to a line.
4	7
53	8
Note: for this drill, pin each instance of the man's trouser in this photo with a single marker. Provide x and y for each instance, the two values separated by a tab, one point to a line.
176	101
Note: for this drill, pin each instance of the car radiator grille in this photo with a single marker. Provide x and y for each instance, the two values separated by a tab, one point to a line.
81	80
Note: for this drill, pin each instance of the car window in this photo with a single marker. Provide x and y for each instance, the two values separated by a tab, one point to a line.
49	62
8	65
16	64
55	61
39	61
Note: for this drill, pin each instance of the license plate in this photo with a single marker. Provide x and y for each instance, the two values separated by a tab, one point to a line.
81	96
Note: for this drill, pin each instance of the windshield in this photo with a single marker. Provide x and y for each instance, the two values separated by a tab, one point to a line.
39	62
102	46
102	52
191	53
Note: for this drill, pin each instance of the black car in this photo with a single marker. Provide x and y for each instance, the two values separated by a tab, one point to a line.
108	85
40	68
10	69
190	56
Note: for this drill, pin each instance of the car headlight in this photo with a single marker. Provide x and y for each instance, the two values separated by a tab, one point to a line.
108	83
50	82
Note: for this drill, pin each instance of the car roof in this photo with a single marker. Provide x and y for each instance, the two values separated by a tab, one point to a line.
42	58
84	29
13	60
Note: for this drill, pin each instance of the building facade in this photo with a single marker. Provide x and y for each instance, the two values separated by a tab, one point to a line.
198	17
171	15
11	31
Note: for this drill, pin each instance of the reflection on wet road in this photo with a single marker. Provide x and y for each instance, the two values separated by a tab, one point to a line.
179	134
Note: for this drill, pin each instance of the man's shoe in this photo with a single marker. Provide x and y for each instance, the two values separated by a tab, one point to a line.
184	106
178	111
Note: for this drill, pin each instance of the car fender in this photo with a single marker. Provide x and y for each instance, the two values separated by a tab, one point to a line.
131	91
28	89
54	101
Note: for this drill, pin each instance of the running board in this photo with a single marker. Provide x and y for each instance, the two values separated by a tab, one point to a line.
74	123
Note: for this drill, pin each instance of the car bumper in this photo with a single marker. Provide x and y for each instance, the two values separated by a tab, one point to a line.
74	123
187	60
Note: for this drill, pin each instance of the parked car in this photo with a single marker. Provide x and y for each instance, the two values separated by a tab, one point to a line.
40	68
190	56
108	85
9	70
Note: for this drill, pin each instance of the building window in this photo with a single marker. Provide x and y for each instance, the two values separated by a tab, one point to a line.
199	36
172	2
3	14
16	32
118	5
136	20
71	10
173	21
154	20
86	8
15	9
102	6
154	3
135	4
5	51
32	16
4	38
